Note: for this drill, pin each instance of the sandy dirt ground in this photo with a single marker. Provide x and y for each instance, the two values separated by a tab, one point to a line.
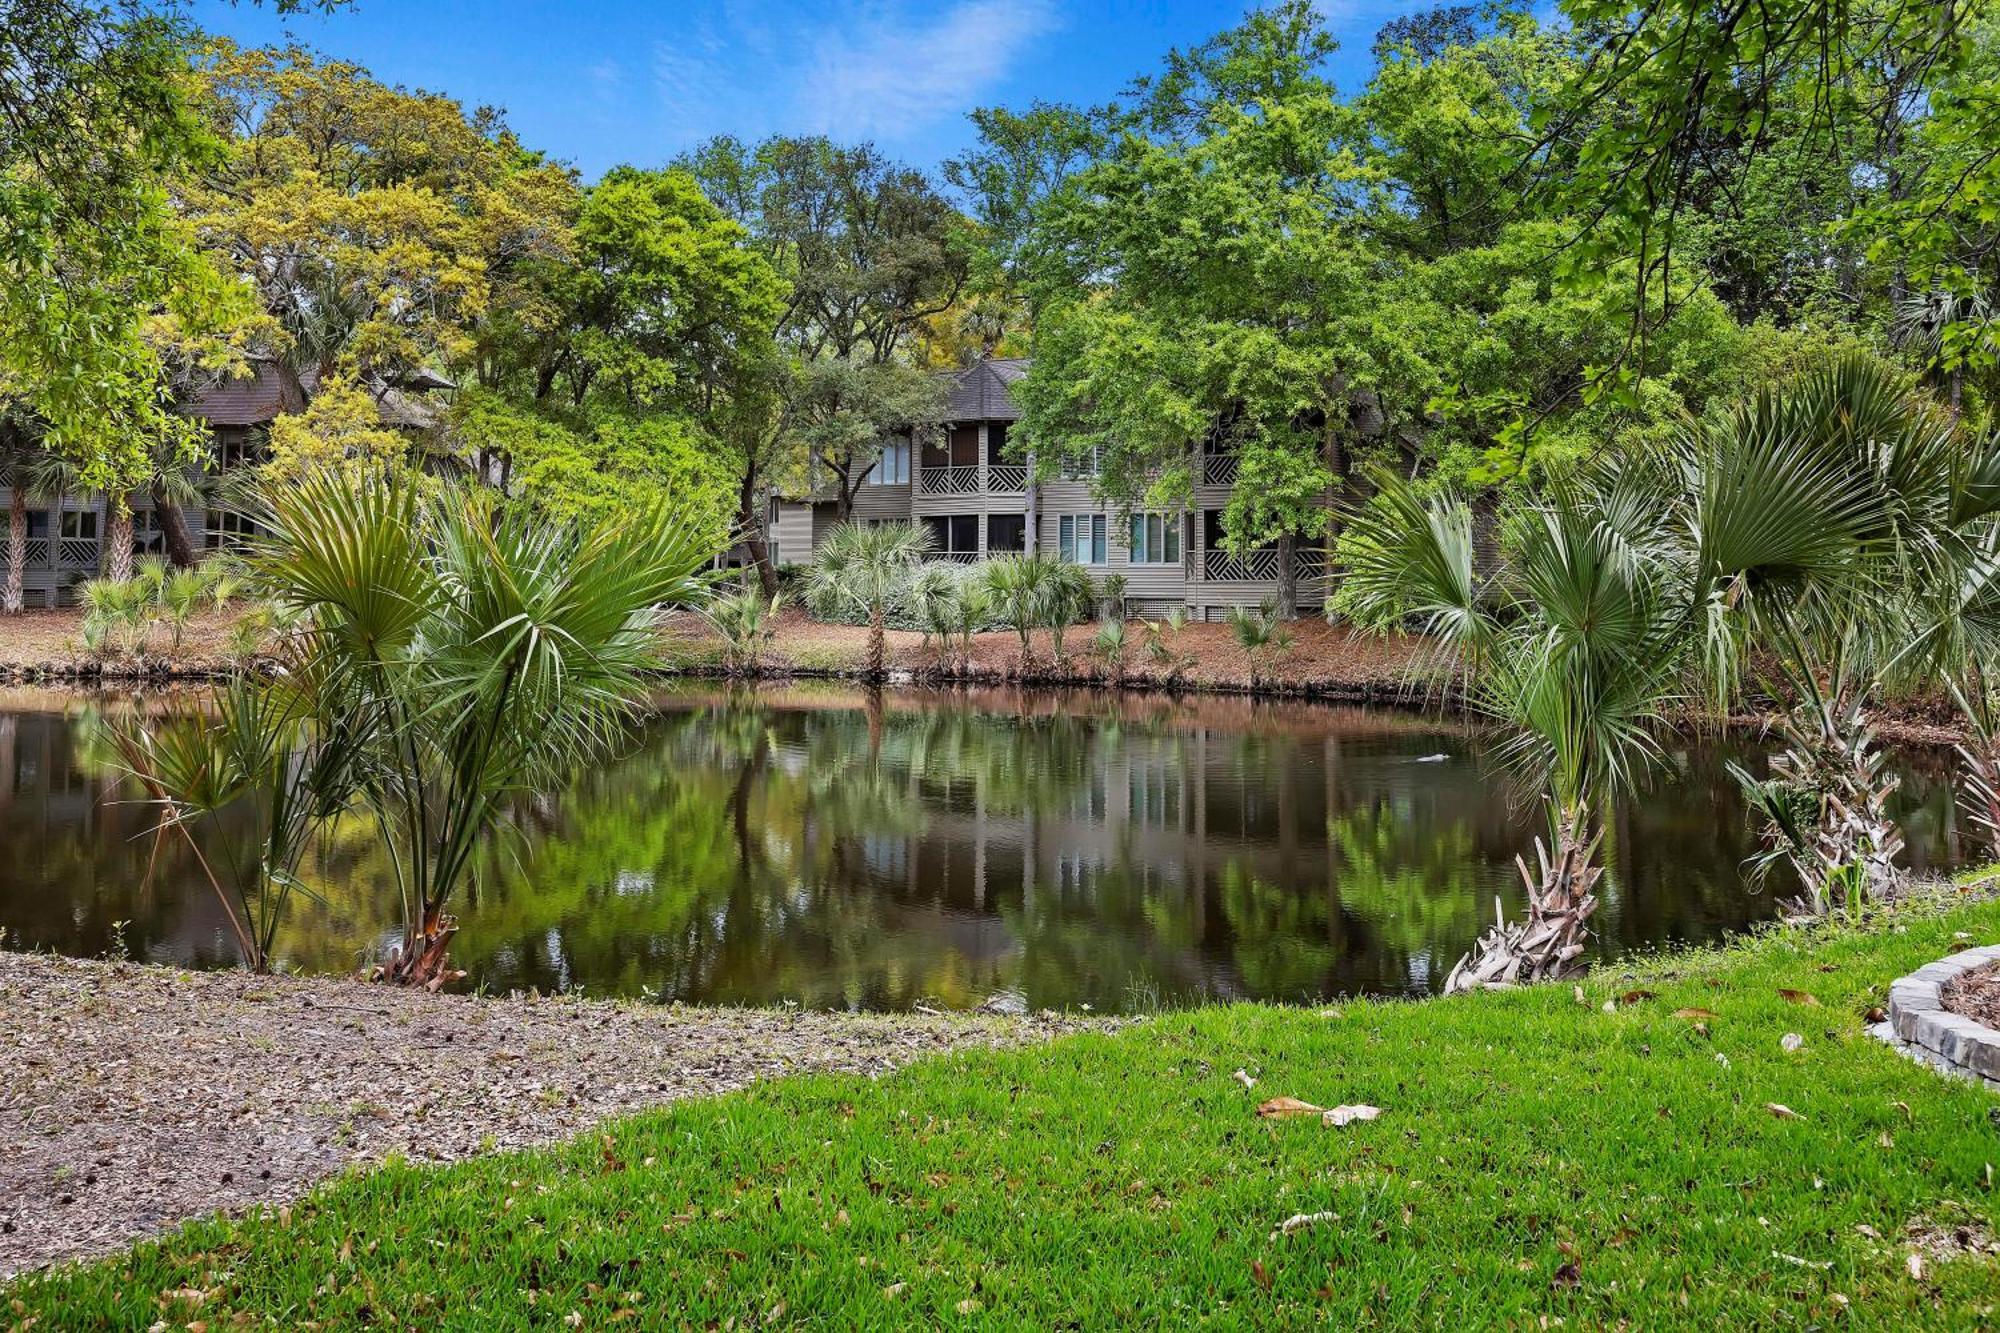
134	1097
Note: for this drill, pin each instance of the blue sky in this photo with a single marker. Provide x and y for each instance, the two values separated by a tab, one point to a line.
598	84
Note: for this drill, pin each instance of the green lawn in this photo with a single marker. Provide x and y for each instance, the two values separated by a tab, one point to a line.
1537	1157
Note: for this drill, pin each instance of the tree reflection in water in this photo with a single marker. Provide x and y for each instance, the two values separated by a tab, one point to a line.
822	846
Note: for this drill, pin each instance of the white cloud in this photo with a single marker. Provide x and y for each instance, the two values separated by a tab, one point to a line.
889	75
895	69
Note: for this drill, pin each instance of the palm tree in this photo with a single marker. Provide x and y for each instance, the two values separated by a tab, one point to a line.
1819	519
1261	633
864	567
453	653
1575	650
18	450
1066	597
1017	587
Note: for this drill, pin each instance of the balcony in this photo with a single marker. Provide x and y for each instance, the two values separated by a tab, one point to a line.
1260	566
957	557
948	481
1218	469
67	554
1006	477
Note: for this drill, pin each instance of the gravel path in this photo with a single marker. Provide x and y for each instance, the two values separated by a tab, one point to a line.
133	1098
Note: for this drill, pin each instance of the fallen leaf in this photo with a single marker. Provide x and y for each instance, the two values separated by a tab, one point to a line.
1257	1271
894	1289
1243	1076
1782	1111
1279	1107
1915	1263
1791	1041
1347	1115
1611	1006
968	1306
1578	992
1567	1276
1695	1013
1799	997
1722	1059
1634	996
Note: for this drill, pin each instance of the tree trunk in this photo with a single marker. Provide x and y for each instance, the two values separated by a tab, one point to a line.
1560	900
17	550
173	526
877	642
1979	793
118	538
752	526
1288	577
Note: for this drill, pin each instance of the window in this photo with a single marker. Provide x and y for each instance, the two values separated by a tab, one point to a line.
893	467
965	446
38	524
227	528
1006	533
1081	538
1156	539
148	537
1079	469
236	446
953	534
79	524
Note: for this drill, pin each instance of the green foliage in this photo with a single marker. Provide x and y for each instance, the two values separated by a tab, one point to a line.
746	621
865	567
466	651
1261	634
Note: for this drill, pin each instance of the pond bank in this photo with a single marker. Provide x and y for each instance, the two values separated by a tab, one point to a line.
142	1096
1699	1139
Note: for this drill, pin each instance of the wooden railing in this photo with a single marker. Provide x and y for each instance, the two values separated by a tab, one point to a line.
1006	477
957	557
1260	565
1218	469
38	552
950	481
77	553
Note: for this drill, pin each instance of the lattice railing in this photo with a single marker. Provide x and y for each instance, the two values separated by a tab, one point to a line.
1218	469
38	552
78	553
950	481
957	557
1260	565
1006	477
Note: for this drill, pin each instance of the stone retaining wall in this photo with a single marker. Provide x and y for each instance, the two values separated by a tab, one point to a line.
1922	1027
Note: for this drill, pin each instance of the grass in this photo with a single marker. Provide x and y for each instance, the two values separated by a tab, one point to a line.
1538	1158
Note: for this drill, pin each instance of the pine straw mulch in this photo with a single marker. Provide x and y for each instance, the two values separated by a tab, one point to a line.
137	1097
51	640
1976	995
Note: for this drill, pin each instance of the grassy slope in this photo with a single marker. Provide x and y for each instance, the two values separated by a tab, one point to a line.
1126	1179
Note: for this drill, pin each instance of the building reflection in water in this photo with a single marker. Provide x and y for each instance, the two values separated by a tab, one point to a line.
838	849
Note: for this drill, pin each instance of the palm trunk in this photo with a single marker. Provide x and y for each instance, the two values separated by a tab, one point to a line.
1561	899
118	535
878	652
174	528
17	551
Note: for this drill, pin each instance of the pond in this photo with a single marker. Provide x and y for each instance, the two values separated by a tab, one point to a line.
942	848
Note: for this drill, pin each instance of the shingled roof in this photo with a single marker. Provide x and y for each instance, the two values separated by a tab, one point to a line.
983	390
253	400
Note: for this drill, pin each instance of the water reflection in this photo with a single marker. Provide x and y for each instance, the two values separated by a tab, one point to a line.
815	845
